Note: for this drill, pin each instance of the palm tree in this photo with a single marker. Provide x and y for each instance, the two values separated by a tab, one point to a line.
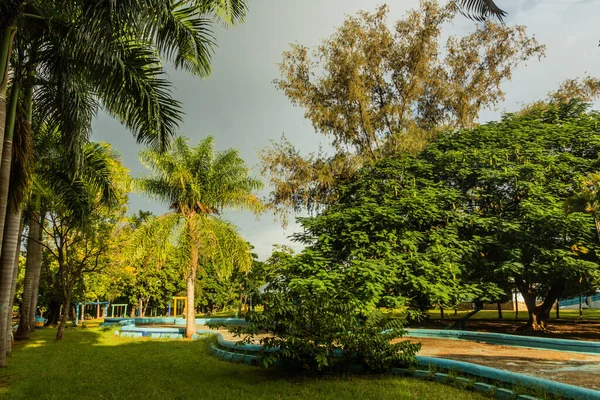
198	183
480	10
80	55
54	184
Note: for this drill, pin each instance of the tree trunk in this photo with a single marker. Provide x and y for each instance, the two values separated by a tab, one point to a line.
146	308
6	44
6	163
539	315
14	285
499	305
32	266
190	315
97	311
441	312
53	313
65	316
35	292
7	265
140	307
557	309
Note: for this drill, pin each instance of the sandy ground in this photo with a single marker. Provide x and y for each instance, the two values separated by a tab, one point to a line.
572	368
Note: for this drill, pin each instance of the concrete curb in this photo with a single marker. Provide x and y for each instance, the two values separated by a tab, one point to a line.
576	346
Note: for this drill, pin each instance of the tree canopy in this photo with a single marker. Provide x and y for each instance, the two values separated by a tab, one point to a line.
372	91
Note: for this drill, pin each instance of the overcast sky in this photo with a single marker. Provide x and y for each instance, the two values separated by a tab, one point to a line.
241	108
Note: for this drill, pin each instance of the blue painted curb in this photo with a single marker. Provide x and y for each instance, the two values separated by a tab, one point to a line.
561	389
171	321
578	346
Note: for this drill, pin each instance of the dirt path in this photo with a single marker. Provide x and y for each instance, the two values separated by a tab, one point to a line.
572	368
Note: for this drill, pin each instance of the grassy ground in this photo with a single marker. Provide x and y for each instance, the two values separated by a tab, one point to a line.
91	363
493	314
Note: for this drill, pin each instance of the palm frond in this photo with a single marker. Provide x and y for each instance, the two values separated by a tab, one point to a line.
480	10
229	12
185	37
98	172
134	90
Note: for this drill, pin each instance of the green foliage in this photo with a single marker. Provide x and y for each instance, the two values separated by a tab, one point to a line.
321	316
408	228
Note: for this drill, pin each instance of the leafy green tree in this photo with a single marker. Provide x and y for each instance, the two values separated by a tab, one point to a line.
81	248
409	227
198	183
515	176
372	91
587	200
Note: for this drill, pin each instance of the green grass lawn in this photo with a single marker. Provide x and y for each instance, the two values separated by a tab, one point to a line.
91	363
493	314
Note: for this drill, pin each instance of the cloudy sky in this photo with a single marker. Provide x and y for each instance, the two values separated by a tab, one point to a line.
241	108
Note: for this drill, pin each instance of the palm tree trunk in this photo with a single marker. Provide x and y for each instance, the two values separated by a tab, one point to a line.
190	315
6	43
14	284
7	265
38	273
5	164
32	267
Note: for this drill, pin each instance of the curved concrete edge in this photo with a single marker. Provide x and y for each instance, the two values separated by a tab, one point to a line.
557	388
494	374
171	321
575	346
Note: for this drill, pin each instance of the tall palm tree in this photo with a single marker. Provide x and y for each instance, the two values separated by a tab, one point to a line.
80	55
198	183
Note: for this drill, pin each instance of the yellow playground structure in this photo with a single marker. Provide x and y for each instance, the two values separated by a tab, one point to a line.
179	303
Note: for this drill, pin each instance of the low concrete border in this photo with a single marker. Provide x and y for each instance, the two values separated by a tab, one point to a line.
576	346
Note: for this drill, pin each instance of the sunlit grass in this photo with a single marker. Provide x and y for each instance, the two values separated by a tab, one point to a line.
92	363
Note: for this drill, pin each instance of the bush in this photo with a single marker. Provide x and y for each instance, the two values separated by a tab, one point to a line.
323	317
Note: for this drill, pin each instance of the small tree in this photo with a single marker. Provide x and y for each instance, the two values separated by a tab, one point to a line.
80	246
322	315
